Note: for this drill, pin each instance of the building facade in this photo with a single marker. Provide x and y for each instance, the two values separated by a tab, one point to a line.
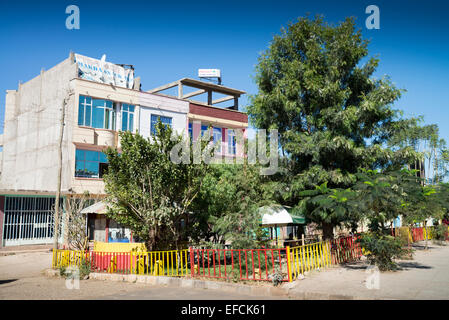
92	112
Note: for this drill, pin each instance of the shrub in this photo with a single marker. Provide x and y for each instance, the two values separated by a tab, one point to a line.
277	278
439	233
403	235
383	249
83	269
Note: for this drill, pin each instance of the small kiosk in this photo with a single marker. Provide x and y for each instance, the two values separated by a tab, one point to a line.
286	225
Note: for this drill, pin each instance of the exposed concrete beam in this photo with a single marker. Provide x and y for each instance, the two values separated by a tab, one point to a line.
223	99
164	87
194	93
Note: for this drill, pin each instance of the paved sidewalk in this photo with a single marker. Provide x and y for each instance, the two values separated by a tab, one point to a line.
11	250
424	277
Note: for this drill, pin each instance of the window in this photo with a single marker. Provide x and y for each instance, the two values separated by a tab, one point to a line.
231	142
204	129
217	135
96	113
165	121
127	117
85	111
90	164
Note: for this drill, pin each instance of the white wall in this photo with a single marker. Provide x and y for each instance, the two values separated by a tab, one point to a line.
162	106
31	134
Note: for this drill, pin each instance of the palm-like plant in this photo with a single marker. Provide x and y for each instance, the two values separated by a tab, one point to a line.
330	207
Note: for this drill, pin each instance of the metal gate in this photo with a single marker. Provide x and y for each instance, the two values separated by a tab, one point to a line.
28	220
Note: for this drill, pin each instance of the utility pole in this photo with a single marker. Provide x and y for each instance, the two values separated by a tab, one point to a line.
58	189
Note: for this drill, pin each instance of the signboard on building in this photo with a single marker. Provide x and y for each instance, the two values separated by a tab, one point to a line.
104	72
209	73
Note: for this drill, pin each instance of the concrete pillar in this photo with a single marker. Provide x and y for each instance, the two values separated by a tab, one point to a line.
196	129
224	141
240	147
209	97
179	90
236	103
106	231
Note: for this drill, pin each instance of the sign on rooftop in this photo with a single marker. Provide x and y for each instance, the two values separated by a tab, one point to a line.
209	73
104	72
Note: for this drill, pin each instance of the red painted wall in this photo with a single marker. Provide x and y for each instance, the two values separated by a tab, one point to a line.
218	113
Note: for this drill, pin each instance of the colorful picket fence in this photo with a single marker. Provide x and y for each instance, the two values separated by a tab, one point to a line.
417	234
237	264
69	258
242	264
323	254
263	264
310	257
157	263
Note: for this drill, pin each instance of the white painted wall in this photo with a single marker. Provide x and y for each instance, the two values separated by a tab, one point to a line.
162	106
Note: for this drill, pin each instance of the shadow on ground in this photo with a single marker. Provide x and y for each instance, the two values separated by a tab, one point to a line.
356	265
403	265
7	281
412	265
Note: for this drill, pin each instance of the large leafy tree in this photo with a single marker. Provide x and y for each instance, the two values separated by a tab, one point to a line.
149	192
316	87
230	198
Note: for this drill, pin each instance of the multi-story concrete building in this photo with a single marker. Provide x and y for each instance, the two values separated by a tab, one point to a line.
93	100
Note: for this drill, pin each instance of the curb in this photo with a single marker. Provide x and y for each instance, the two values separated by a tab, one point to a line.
10	253
213	285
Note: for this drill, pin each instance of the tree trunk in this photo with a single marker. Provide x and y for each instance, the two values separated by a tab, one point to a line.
328	231
151	239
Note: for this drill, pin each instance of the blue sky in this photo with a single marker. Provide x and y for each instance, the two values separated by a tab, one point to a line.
166	41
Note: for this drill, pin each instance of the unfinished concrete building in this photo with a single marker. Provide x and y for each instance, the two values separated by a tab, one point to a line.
97	105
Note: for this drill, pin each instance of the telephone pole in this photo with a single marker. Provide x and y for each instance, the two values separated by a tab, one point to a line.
58	188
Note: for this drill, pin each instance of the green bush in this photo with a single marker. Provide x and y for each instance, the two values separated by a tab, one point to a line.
439	233
84	270
382	250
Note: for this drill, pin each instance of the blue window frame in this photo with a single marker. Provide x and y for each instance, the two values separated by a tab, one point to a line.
217	135
90	164
231	142
85	111
96	113
204	129
190	130
165	121
127	117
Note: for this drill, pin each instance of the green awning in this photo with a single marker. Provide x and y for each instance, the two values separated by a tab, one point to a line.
277	215
297	217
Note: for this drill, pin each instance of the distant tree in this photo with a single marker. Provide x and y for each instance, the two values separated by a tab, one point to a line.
148	192
316	88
